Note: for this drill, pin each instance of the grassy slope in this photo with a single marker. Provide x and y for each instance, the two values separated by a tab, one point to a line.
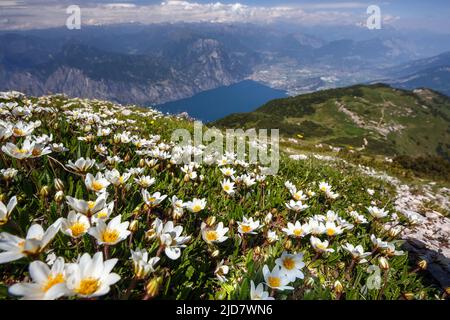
421	120
192	276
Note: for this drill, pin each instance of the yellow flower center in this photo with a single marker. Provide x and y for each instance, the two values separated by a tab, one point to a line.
121	180
22	151
246	228
97	186
109	236
331	232
321	246
91	204
298	232
18	132
211	235
151	199
53	280
274	282
88	286
77	229
36	152
226	187
297	196
196	208
102	214
289	263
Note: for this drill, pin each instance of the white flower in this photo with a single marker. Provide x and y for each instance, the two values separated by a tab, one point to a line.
370	191
81	165
390	250
228	172
316	227
228	186
291	265
76	225
357	252
248	226
5	211
22	129
116	178
211	235
258	293
272	236
248	181
196	205
48	284
358	218
91	277
142	264
154	199
378	243
320	246
112	233
324	187
331	229
299	196
296	206
221	271
19	152
35	242
88	208
377	213
296	230
145	181
97	183
276	279
170	238
9	173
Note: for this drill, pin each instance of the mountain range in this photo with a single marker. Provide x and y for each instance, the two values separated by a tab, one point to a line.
155	64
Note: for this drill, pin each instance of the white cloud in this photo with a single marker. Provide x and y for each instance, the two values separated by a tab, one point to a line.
53	15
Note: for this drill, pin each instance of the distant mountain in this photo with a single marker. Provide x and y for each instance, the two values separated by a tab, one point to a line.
375	118
431	73
158	63
214	104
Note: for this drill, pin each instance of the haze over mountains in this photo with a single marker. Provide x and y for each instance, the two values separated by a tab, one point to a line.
159	63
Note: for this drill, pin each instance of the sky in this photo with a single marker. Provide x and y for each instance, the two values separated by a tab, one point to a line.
404	14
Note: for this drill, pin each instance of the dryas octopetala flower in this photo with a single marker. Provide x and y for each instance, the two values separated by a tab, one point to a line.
9	173
390	250
116	178
48	284
97	183
89	208
142	265
111	233
152	200
358	218
296	206
170	238
272	236
296	230
291	265
5	211
276	279
316	227
357	252
91	277
221	271
258	292
196	205
378	243
228	172
22	129
377	213
331	229
75	225
326	188
320	246
81	165
211	235
23	152
145	181
228	186
35	242
248	226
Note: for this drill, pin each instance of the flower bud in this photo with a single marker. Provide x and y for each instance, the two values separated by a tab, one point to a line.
127	158
422	264
2	197
59	185
59	196
153	287
383	262
150	234
338	287
142	163
215	253
408	295
288	245
309	282
134	225
268	218
43	192
211	221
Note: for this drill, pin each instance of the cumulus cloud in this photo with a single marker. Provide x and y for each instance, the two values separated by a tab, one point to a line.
52	14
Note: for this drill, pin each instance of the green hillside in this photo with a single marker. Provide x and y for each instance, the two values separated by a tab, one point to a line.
376	119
